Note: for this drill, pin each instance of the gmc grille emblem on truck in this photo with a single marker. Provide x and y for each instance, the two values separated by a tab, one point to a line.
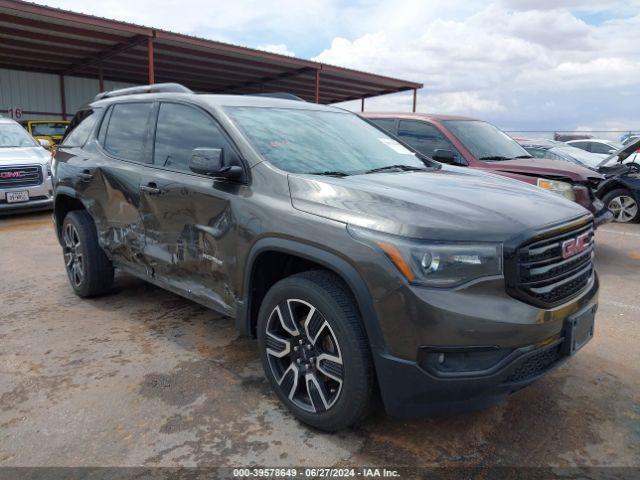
12	174
574	246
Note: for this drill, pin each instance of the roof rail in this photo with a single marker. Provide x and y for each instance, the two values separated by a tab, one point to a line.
155	88
283	95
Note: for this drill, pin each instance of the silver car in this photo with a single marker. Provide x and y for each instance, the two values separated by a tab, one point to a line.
25	178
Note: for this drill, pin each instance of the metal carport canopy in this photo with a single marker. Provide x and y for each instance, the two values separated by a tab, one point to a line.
49	40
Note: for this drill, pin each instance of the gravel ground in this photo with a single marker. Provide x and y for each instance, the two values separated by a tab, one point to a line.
142	377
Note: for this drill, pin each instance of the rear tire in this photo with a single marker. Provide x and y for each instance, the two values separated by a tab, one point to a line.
314	350
89	270
623	205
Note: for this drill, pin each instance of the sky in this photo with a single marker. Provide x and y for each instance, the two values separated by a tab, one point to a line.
521	64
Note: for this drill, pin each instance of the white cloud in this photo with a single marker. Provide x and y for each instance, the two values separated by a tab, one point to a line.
518	68
519	63
280	48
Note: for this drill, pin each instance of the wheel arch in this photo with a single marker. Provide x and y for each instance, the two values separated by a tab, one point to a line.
65	201
614	184
323	258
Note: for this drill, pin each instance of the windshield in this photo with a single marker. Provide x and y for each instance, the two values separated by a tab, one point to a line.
584	158
485	141
316	141
13	135
46	129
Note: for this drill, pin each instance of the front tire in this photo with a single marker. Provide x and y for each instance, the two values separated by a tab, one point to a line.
314	350
89	270
623	206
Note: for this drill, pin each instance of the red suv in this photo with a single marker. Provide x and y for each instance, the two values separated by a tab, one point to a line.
469	142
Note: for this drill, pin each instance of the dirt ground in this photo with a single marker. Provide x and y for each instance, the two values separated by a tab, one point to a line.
142	377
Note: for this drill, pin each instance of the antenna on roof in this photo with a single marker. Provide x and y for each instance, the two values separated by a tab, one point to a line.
155	88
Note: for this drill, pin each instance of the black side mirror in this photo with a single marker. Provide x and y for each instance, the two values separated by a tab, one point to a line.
210	161
445	156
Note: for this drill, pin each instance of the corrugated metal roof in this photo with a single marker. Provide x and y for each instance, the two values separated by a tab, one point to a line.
50	40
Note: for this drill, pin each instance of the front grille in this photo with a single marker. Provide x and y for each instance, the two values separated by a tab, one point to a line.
535	365
20	176
556	268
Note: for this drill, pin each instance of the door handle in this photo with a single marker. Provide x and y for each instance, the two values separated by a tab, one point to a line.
151	188
86	175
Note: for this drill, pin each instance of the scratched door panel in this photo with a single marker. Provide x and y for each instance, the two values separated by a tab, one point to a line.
189	227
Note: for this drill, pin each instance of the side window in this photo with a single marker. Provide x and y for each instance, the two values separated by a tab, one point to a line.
388	124
424	137
127	134
80	128
179	130
582	145
541	153
600	148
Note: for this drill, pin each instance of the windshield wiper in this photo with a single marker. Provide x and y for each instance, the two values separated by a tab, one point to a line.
524	156
330	173
494	157
404	168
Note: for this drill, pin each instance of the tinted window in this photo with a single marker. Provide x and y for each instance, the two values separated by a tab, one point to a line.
388	124
316	141
179	130
601	148
126	134
424	137
50	128
582	145
80	128
485	141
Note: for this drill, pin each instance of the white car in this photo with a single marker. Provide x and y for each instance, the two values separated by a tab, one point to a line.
25	179
602	148
596	145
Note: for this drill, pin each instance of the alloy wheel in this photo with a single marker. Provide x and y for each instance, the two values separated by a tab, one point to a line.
73	254
304	355
624	208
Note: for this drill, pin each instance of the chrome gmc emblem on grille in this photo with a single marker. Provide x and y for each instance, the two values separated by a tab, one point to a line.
574	246
17	174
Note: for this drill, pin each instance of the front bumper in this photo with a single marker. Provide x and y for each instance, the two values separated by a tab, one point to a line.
40	198
511	347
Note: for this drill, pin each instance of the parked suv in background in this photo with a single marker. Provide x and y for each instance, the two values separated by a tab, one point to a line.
468	142
359	265
25	180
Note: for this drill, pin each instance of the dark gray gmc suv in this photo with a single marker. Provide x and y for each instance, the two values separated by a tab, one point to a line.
362	267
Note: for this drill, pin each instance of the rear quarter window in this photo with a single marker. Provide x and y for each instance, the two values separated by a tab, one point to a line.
80	128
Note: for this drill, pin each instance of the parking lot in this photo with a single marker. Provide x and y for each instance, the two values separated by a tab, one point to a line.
144	377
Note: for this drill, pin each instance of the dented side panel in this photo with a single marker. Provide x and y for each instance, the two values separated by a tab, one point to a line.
191	235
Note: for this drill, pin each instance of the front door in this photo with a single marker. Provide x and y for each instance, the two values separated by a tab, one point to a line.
189	218
426	138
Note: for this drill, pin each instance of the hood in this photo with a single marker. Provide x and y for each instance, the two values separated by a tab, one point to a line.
447	204
23	156
543	167
623	153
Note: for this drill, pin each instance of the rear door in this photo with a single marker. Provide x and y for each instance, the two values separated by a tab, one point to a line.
189	221
118	157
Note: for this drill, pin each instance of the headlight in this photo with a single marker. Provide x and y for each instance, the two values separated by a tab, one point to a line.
563	188
435	264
